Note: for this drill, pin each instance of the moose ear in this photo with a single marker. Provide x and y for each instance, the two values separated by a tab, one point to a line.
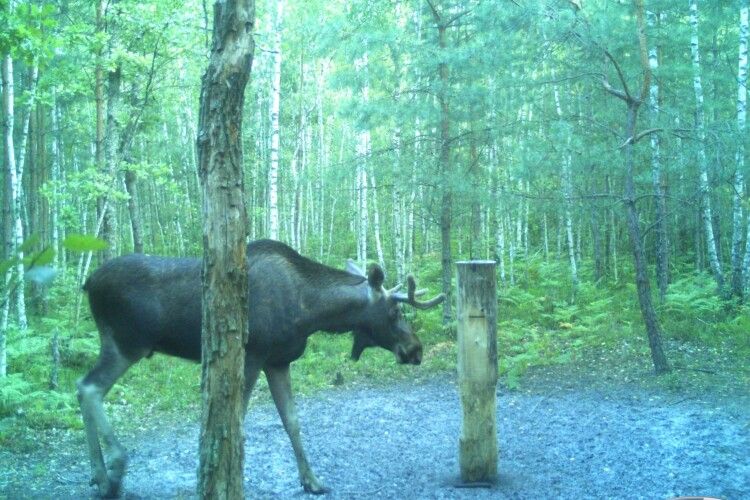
375	276
352	268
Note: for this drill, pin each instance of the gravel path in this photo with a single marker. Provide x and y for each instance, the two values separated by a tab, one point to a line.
400	441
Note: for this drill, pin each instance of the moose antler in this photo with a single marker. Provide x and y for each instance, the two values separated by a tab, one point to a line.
413	293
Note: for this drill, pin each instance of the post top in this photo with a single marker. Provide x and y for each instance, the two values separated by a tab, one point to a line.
475	263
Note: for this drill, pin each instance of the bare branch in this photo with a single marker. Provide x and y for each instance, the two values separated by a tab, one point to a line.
621	76
435	13
639	136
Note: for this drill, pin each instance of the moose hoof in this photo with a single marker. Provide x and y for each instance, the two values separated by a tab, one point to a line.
106	488
315	488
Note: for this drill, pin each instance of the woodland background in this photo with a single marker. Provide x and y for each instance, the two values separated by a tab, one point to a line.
595	149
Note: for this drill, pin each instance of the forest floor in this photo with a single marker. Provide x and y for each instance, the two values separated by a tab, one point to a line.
566	432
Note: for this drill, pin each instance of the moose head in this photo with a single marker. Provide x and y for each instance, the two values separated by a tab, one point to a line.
384	324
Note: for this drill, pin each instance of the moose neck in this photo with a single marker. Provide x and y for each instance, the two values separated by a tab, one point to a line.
335	308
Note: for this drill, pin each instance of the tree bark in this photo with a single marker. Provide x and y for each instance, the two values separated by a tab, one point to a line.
567	185
376	221
101	202
273	173
738	269
14	224
703	179
112	154
134	210
363	150
662	238
445	169
225	283
643	285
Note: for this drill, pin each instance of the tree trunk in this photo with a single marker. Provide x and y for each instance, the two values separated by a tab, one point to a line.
101	202
376	221
112	153
643	285
322	160
567	188
225	260
134	210
363	150
703	179
662	239
273	172
739	180
444	159
642	282
55	180
13	221
397	202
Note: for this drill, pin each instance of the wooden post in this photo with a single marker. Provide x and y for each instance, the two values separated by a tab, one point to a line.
477	369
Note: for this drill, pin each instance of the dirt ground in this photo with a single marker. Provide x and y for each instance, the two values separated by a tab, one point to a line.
558	438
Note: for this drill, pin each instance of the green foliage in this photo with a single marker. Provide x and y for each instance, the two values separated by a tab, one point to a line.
692	310
83	243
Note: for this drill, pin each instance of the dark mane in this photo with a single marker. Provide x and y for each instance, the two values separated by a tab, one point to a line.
309	269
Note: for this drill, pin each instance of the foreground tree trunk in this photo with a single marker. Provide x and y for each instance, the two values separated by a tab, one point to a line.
224	239
643	285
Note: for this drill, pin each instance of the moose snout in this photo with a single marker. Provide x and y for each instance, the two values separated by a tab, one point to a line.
409	354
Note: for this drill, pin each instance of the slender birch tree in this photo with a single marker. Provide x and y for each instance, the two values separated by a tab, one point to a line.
739	267
703	179
662	237
363	150
273	171
567	185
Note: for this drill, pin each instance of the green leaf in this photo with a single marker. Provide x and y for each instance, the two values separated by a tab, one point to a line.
29	243
84	243
45	257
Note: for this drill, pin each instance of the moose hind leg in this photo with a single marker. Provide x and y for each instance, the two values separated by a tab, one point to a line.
91	391
279	382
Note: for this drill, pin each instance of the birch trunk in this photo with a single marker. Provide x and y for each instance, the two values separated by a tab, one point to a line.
511	253
273	171
99	157
376	221
322	159
703	182
14	223
567	188
738	269
499	227
396	201
662	238
363	150
55	180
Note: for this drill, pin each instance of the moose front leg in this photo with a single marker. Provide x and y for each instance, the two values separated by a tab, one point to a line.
279	382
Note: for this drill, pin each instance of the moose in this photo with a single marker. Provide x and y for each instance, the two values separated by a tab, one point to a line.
145	304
